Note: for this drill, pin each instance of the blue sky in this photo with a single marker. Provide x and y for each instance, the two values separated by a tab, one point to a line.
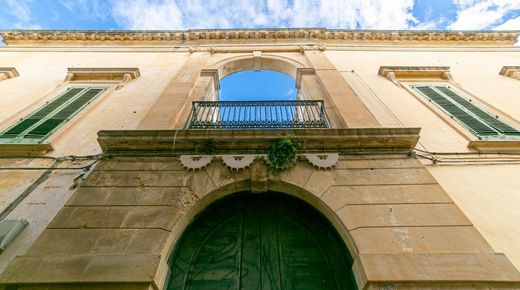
192	14
257	85
186	14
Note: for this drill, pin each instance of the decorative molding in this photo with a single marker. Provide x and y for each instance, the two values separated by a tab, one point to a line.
493	38
299	74
8	73
120	75
395	73
237	162
322	160
212	73
511	71
193	162
242	161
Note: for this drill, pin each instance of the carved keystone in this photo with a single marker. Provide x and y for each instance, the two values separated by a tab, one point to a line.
259	176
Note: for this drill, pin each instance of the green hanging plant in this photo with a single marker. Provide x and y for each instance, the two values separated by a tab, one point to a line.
282	154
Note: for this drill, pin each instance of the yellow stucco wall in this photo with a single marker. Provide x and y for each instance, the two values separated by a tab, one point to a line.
489	195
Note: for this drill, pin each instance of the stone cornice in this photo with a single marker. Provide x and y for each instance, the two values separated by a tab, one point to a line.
394	73
257	141
117	74
467	38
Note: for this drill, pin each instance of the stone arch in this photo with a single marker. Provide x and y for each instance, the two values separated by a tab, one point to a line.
283	64
278	186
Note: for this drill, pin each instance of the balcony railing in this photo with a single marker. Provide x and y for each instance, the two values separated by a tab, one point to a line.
258	115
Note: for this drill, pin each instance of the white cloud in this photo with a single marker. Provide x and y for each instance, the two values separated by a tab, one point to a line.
147	15
22	13
482	14
511	24
87	9
183	14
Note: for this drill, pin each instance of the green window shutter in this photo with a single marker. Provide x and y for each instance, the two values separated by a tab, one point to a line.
476	126
44	121
478	121
484	115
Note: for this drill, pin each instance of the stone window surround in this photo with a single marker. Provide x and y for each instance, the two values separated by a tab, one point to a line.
8	73
403	76
75	76
119	76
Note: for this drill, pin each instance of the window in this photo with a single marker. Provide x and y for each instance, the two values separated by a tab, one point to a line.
41	123
480	122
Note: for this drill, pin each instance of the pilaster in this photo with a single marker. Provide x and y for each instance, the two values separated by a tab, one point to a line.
343	105
177	96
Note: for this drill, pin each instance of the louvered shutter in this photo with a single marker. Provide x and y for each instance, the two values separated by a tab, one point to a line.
474	124
41	123
38	115
62	115
485	116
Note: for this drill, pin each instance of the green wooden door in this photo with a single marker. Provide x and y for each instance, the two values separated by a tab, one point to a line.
260	241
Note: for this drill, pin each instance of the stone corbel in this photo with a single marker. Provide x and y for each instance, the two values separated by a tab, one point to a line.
299	74
8	73
511	71
391	76
120	75
397	73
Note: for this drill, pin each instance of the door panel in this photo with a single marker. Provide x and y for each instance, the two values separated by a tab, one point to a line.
260	241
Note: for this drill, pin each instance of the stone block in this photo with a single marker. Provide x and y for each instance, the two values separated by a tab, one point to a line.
319	182
137	178
488	267
139	164
299	174
115	268
348	163
114	196
48	269
339	196
383	176
147	242
89	217
98	242
455	239
358	216
160	217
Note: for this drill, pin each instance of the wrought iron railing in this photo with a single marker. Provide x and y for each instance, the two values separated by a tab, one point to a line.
258	115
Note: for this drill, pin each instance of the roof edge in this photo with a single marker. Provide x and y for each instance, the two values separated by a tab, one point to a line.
343	36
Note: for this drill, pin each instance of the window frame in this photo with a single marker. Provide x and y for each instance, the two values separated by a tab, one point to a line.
51	135
447	115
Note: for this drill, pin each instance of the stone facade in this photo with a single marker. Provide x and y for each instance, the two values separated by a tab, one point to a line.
408	205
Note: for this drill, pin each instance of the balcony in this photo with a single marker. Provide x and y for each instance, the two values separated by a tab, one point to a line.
258	115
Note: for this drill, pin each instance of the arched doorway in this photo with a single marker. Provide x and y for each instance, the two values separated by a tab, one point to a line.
260	241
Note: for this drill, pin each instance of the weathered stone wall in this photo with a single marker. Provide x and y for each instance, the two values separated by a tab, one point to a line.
121	225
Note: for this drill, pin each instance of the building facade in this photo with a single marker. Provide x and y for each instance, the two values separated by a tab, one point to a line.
120	168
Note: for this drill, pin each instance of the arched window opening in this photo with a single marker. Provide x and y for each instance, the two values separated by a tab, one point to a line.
261	241
264	99
263	85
